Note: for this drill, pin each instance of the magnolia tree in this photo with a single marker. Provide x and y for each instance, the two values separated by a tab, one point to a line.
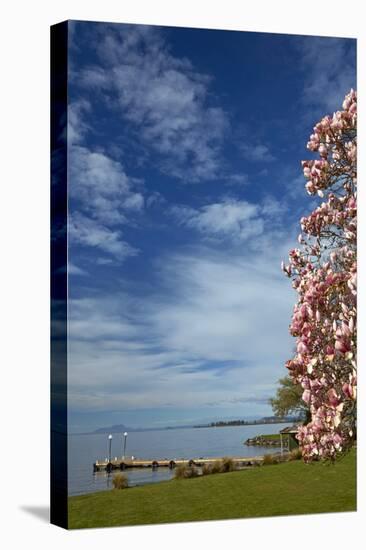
323	272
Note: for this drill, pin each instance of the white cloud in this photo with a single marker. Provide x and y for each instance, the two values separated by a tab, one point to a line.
88	232
234	220
214	331
257	153
237	179
102	186
75	270
103	198
226	306
95	78
164	97
273	208
329	70
155	199
230	218
77	127
102	260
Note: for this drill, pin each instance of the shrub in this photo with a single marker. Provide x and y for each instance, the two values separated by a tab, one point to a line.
184	471
179	471
216	467
207	469
295	454
120	481
219	466
227	465
269	459
192	471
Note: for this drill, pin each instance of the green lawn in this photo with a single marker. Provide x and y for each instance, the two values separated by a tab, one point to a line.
282	489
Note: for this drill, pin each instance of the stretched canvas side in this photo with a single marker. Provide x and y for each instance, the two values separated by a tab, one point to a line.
59	491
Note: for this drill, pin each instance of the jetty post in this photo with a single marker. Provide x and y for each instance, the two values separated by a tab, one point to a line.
110	437
124	444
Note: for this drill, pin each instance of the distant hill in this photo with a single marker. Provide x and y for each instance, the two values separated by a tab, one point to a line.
264	420
117	428
120	428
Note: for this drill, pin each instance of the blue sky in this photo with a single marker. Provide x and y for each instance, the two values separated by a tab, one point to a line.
185	191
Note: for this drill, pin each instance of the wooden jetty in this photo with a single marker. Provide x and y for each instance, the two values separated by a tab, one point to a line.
132	462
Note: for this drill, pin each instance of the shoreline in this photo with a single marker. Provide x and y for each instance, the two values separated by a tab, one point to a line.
169	428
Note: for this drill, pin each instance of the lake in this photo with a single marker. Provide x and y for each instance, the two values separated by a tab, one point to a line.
84	450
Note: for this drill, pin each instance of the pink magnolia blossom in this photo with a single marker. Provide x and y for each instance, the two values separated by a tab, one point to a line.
324	274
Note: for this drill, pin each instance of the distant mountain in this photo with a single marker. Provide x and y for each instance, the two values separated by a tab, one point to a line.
121	428
117	428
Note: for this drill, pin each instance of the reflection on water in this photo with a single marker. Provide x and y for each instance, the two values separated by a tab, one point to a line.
188	443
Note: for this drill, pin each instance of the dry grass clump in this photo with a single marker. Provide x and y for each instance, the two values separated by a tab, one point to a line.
120	481
207	469
296	454
227	465
216	467
270	459
184	471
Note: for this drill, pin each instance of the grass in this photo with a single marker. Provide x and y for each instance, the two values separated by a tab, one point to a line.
282	489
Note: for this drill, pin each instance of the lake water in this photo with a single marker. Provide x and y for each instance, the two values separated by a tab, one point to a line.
188	443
